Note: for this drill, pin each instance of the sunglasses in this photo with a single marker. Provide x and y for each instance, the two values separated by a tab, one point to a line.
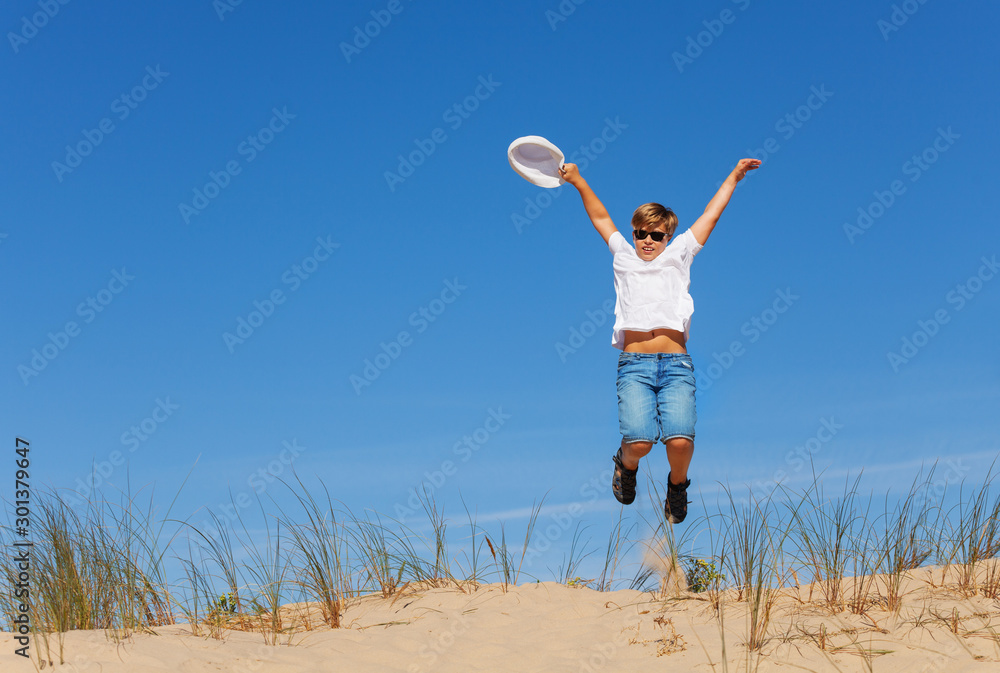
641	234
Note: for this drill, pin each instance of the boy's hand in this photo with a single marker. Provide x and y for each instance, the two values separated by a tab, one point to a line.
569	173
743	166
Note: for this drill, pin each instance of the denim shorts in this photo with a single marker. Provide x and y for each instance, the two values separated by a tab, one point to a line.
656	396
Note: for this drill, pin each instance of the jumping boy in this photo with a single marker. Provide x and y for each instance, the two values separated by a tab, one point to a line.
656	386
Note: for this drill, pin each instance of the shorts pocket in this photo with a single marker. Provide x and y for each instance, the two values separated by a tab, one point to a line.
625	360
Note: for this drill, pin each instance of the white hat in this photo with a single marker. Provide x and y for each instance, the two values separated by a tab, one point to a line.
536	160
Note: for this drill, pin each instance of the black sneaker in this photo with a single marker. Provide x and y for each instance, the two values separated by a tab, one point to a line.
623	481
675	507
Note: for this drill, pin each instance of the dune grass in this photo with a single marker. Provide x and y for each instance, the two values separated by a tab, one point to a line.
104	568
98	570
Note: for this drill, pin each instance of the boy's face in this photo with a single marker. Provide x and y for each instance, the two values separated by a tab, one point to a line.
647	248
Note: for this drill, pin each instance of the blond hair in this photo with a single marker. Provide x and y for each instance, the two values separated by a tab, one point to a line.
649	215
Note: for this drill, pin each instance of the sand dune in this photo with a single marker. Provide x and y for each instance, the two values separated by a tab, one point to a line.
549	626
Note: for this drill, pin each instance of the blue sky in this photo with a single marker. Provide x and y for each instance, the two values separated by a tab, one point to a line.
119	119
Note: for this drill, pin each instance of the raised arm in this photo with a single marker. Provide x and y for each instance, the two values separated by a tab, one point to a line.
595	209
703	226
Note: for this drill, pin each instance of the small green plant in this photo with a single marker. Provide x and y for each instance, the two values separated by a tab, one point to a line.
702	575
225	604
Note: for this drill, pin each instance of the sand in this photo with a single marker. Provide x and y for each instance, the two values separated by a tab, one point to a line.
549	626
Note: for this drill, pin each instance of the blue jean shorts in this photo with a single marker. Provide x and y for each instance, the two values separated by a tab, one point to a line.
656	396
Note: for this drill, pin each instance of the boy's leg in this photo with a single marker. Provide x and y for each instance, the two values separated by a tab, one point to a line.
676	406
636	419
623	479
637	404
633	452
675	401
679	453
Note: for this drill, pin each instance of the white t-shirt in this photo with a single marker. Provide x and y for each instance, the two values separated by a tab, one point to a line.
652	295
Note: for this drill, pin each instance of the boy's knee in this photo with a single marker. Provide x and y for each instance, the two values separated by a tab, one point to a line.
638	448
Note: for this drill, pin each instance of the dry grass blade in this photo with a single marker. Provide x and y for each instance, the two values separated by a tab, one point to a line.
824	529
321	549
905	540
